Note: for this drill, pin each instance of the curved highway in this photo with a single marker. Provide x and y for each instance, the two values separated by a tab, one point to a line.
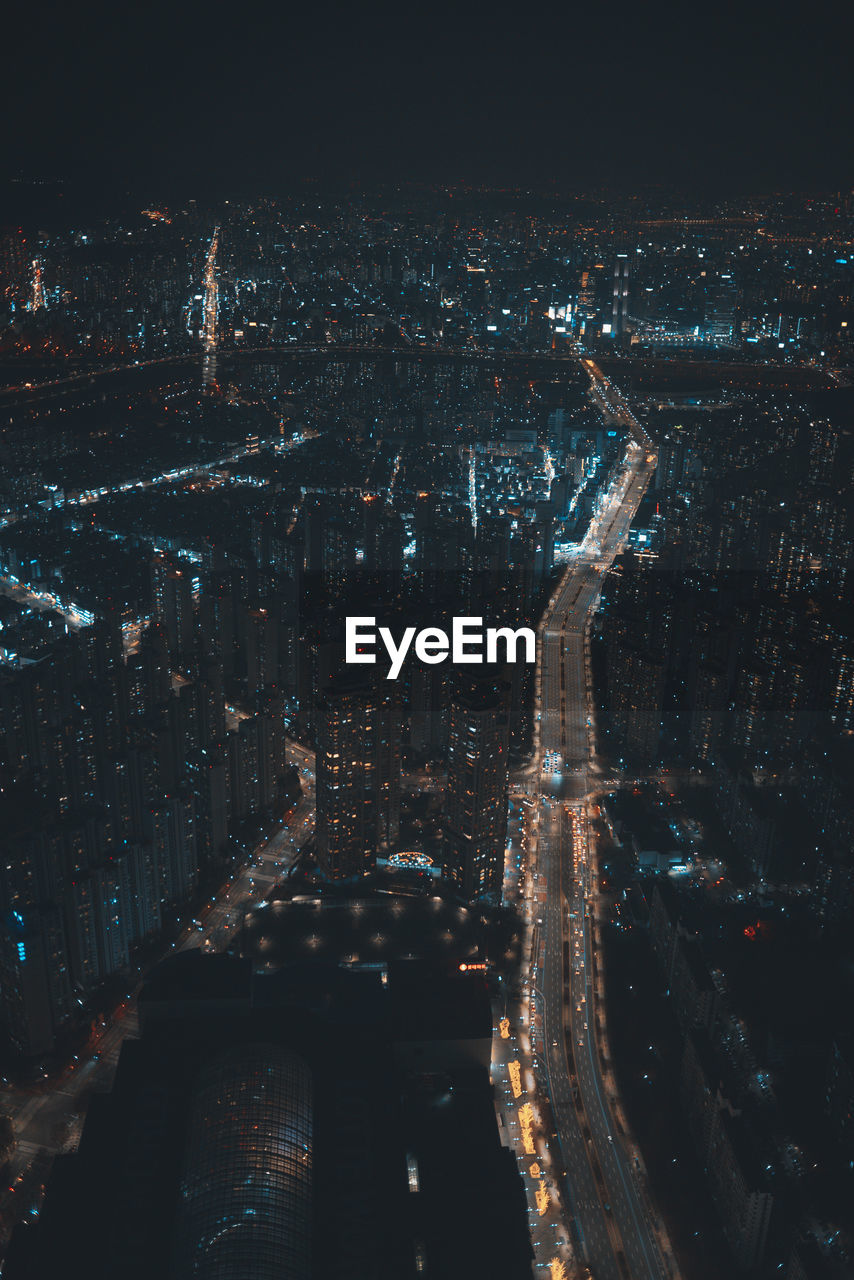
612	1227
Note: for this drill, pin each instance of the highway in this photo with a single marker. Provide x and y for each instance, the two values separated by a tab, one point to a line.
612	1229
546	361
87	377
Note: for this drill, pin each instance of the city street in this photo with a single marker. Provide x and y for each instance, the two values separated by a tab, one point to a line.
612	1228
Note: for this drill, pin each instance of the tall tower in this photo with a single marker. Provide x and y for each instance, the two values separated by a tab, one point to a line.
721	314
172	591
210	311
37	302
619	310
476	830
15	284
357	731
245	1202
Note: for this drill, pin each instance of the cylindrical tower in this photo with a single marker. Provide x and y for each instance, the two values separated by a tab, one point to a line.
245	1207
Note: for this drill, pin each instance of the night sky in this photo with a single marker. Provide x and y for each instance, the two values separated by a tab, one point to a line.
713	97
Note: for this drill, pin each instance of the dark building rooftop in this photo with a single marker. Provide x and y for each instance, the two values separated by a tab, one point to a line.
393	1195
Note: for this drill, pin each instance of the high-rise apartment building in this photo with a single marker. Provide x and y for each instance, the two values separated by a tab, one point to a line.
476	829
357	728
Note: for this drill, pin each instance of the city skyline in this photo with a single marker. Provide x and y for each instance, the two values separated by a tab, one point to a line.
427	645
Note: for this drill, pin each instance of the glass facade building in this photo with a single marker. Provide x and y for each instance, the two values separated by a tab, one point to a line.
245	1206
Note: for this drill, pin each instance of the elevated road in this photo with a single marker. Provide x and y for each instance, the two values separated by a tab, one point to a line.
522	363
613	1229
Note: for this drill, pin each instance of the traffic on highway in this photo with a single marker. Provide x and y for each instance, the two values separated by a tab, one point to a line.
612	1232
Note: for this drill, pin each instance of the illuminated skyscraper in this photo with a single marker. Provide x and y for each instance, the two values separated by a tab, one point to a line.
721	319
620	306
476	829
245	1205
14	266
257	762
173	603
358	773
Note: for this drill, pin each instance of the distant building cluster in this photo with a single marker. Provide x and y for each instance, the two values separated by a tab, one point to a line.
770	277
167	623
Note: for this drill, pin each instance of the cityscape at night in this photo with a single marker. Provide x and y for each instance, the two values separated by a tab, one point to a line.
427	647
